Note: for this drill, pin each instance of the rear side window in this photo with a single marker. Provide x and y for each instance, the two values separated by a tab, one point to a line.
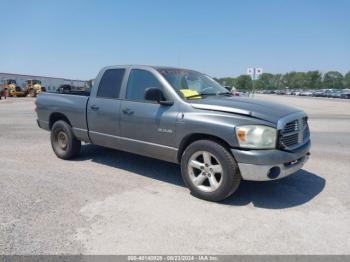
139	81
110	84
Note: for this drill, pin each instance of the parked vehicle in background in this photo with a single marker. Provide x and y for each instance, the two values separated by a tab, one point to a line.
34	87
12	88
234	91
318	93
243	94
269	92
306	93
64	89
240	93
280	92
180	116
345	94
335	94
327	93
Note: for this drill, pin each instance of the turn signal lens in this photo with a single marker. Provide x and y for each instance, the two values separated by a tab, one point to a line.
241	134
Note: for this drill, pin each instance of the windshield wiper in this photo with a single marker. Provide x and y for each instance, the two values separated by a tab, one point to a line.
201	94
210	94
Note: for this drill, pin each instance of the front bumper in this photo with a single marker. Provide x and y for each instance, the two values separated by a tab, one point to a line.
264	165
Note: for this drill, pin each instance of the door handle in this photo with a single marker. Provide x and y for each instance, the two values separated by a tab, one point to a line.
128	111
95	108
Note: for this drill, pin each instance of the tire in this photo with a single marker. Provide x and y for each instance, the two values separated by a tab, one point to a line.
200	178
32	93
63	141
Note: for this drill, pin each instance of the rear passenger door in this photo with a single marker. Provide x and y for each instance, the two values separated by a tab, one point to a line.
103	109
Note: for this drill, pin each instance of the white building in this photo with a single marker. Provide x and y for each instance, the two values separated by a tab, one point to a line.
50	83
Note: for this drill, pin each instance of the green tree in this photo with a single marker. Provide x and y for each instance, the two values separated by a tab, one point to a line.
243	82
347	80
288	80
300	80
313	79
226	81
265	81
333	79
277	81
294	80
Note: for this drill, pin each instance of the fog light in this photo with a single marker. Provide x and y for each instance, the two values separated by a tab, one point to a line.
274	172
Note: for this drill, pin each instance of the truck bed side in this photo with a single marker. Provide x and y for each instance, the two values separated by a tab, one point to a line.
52	106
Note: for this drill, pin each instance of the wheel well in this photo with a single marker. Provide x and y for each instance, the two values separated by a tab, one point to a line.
54	117
195	137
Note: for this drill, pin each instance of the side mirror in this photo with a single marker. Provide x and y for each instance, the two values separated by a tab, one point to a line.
155	94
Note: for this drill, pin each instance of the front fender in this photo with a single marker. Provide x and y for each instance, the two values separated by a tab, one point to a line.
217	124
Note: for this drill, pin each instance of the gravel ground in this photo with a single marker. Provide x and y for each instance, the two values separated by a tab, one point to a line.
111	202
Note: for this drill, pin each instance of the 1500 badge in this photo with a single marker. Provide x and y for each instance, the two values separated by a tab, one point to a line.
164	130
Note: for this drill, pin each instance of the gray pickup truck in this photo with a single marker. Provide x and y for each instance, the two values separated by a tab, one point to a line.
180	116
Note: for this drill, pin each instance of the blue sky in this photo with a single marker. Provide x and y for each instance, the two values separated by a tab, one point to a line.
75	38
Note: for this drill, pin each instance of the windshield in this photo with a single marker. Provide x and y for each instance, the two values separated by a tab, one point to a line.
191	84
36	82
10	81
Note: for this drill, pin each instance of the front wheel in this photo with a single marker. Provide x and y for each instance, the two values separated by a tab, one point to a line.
63	141
32	93
209	170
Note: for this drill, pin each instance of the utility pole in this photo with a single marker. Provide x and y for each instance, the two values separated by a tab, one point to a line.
254	72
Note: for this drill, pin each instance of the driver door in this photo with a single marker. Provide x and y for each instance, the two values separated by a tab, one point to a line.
146	126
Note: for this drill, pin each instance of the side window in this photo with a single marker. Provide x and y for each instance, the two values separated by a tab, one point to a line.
110	84
139	81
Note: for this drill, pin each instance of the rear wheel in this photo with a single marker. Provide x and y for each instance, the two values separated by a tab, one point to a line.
209	170
63	141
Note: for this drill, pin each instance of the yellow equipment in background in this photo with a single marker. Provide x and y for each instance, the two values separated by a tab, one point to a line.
34	87
12	88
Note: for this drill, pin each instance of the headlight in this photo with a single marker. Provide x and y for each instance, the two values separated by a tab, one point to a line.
258	137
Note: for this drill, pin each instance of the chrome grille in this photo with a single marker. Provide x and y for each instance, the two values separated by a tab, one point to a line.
304	121
291	127
295	133
290	140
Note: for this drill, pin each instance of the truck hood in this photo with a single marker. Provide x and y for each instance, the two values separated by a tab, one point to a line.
257	108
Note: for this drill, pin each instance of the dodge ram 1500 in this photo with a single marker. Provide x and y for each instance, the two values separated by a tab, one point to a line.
181	116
